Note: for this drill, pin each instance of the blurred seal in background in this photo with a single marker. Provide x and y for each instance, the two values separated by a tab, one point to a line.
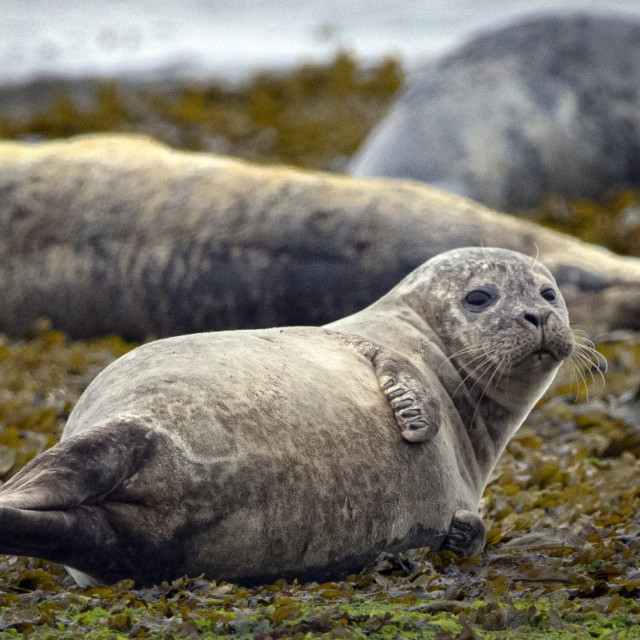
546	106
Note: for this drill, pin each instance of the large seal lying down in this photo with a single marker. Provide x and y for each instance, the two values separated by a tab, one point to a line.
549	105
119	234
303	451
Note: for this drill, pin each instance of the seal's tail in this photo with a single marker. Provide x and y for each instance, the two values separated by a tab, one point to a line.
52	509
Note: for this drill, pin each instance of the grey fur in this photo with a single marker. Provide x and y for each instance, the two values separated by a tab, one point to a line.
256	455
548	105
117	234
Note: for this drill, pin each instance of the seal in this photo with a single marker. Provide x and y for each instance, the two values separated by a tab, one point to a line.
543	106
299	452
119	234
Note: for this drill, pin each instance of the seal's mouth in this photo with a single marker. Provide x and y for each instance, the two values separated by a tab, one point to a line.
544	354
541	356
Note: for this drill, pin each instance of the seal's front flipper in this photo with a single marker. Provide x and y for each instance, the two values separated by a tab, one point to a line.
414	404
412	398
466	535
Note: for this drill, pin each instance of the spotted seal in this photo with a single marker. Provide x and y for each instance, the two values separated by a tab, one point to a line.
299	452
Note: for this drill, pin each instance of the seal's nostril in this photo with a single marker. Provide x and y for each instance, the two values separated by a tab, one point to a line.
533	319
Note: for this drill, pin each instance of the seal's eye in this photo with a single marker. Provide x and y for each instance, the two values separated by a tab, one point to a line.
479	299
549	294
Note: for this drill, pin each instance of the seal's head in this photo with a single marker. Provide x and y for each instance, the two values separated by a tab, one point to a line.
500	317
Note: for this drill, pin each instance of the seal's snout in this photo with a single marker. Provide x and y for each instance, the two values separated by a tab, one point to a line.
554	341
537	319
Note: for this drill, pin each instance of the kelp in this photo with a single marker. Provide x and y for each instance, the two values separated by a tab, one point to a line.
41	378
613	221
562	557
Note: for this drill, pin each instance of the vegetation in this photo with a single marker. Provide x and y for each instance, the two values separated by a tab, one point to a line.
614	222
315	116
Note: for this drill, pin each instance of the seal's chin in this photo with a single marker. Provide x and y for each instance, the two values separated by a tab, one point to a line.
541	361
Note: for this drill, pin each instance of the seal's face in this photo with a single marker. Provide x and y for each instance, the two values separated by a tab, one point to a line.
501	318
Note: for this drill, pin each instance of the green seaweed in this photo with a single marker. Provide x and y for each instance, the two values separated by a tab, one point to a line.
42	378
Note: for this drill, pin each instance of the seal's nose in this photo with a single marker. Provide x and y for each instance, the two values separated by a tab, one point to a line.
537	319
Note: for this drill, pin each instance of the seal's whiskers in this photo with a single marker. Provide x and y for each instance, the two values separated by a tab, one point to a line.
578	370
486	386
589	356
471	350
486	363
535	263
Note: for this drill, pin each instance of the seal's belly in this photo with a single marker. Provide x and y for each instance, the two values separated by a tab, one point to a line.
333	510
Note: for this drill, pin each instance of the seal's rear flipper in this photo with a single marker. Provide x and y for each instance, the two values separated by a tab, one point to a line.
55	507
57	536
81	470
82	538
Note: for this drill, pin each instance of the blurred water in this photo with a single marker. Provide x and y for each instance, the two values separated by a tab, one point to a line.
230	38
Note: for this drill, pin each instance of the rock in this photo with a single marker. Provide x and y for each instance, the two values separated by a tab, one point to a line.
118	234
545	538
547	106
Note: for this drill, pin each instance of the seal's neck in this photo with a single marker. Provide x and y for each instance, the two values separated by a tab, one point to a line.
392	324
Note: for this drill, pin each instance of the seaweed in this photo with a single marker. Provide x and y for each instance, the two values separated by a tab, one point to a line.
613	221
